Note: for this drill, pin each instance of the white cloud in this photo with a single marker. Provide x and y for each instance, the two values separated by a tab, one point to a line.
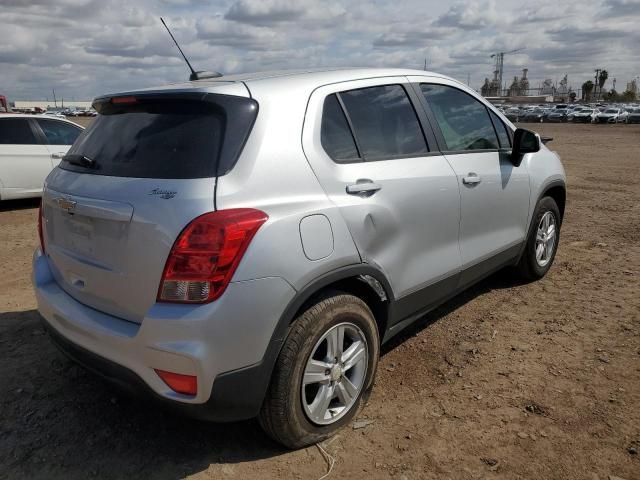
84	48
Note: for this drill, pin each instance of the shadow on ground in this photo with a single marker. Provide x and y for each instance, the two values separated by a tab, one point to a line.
7	205
503	279
59	421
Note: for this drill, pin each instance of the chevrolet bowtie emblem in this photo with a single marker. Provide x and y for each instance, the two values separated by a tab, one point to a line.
66	204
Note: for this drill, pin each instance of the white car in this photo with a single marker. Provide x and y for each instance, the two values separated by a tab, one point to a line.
30	147
622	117
609	115
584	115
54	114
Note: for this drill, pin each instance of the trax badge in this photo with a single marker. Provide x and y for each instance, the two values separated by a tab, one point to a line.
166	194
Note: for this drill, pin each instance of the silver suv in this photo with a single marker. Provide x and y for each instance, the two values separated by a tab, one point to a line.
242	246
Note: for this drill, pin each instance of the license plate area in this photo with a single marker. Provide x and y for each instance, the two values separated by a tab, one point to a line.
80	234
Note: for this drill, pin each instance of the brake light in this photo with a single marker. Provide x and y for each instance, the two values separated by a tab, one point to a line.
206	254
40	234
116	100
185	384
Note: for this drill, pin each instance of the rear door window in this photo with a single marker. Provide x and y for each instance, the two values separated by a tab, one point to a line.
463	120
16	131
58	133
166	137
335	133
384	122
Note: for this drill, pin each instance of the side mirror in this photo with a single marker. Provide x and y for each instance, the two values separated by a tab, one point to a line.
524	141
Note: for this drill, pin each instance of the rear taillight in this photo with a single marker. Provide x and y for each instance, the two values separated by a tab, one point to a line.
40	234
206	254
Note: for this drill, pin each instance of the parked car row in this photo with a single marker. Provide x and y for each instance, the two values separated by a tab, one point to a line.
577	113
59	112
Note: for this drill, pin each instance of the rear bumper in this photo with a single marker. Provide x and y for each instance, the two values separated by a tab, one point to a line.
228	344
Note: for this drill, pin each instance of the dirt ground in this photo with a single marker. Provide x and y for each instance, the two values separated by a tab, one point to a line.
538	381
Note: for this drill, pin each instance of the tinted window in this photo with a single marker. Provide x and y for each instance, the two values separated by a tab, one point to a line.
335	133
384	122
166	138
16	131
463	120
59	133
501	129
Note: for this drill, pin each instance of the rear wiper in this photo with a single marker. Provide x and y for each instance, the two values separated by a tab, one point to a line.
80	160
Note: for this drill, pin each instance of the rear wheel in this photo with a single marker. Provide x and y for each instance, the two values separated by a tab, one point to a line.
324	372
542	244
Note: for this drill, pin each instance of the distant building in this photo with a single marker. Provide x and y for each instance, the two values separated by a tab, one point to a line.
490	88
547	87
519	87
632	86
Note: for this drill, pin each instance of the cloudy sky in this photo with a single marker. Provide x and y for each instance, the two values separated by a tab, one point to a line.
84	48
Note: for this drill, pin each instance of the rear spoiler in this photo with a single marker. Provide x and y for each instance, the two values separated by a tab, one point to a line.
546	140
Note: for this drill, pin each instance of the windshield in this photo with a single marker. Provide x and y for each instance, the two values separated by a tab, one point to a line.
164	137
611	110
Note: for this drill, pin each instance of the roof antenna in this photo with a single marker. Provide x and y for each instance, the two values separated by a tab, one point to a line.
200	75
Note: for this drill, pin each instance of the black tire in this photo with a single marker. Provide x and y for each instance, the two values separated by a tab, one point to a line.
528	267
282	416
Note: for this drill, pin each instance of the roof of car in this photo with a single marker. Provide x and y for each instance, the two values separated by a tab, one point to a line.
316	77
321	74
37	115
28	115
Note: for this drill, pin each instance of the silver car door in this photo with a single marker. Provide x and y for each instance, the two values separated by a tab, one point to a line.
59	137
399	199
495	193
24	163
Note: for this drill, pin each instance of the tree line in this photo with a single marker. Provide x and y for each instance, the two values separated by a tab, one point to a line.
611	95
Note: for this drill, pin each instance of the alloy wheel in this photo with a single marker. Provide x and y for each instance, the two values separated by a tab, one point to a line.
334	374
545	239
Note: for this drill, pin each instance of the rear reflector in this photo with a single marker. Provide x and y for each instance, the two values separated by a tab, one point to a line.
185	384
206	254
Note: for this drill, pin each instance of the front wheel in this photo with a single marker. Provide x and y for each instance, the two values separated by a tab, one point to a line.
324	372
542	243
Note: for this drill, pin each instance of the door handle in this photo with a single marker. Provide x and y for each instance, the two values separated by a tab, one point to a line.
363	186
58	156
471	179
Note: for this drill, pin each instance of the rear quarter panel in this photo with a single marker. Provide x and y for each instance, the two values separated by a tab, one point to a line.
272	174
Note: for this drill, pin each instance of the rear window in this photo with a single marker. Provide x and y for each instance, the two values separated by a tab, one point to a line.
57	132
181	136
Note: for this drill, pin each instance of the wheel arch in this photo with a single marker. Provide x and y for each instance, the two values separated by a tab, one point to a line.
558	191
555	189
363	281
